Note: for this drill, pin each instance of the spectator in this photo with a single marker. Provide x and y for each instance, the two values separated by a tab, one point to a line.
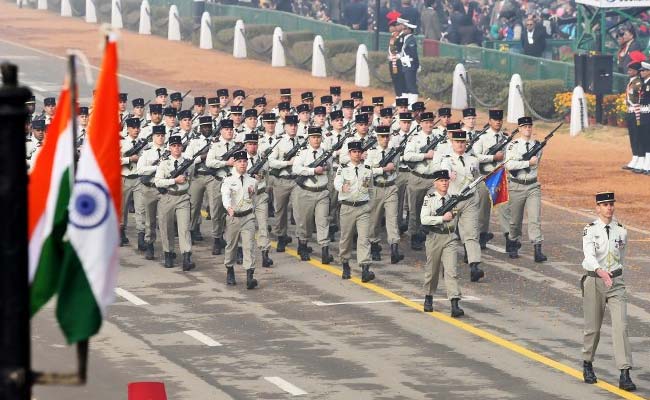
411	14
430	23
465	19
627	44
284	5
534	41
356	15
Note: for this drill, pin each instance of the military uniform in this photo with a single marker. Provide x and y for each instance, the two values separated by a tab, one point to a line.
402	177
261	203
644	127
131	189
410	62
332	139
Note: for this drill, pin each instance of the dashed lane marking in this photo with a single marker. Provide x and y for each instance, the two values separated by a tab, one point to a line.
202	338
496	248
284	385
130	297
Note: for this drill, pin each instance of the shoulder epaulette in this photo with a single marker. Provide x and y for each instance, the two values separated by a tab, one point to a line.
619	224
368	167
343	165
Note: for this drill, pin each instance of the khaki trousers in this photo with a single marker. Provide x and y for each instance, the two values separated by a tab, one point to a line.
528	198
335	207
210	187
485	209
150	198
417	188
595	297
262	219
282	190
467	211
240	228
442	249
169	207
355	219
311	206
401	181
131	188
383	203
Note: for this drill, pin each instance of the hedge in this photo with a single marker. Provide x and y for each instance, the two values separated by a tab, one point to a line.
225	37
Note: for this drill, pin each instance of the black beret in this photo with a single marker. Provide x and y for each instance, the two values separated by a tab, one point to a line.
123	97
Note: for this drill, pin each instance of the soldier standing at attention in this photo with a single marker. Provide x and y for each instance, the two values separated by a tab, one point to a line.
353	181
441	244
174	202
632	93
525	192
410	61
644	104
603	243
238	194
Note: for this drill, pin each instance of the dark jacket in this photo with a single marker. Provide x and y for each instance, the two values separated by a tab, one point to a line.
536	49
356	13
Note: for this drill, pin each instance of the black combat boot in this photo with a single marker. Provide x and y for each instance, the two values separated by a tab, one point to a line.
475	272
428	303
511	248
346	270
123	239
395	256
539	256
282	245
303	251
251	283
271	210
588	372
331	235
188	265
625	382
366	274
456	311
230	276
417	243
507	237
484	238
240	255
169	261
142	246
326	258
266	261
216	247
375	251
149	254
465	256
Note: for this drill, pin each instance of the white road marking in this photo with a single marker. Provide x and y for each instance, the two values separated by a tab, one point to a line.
284	385
130	297
324	304
17	57
37	88
202	338
496	248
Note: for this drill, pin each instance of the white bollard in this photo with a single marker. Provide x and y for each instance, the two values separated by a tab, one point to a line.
579	116
458	89
66	10
205	41
116	14
516	108
42	4
318	67
239	40
91	12
174	26
145	18
278	58
362	70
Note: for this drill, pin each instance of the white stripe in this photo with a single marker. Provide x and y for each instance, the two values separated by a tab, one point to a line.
130	297
496	248
284	385
202	338
38	88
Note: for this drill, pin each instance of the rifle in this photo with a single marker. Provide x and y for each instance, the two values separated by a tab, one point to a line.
339	143
476	137
371	142
227	155
188	162
142	143
293	151
257	167
425	149
147	178
315	164
497	147
185	95
537	147
392	153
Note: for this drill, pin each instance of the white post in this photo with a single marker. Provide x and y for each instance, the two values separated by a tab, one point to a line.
458	89
145	18
516	108
239	40
42	4
91	12
278	58
116	14
66	10
205	41
318	67
579	116
362	70
174	26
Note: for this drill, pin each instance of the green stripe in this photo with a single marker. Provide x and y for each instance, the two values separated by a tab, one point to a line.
46	278
76	309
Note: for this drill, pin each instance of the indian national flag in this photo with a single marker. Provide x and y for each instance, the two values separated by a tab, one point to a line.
90	265
50	182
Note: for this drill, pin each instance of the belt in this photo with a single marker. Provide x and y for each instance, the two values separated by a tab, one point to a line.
615	273
240	214
260	191
290	177
384	184
133	176
440	231
354	203
148	184
205	173
313	189
424	176
404	169
182	192
523	181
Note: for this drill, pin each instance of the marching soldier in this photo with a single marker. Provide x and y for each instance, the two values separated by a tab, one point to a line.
284	109
175	202
383	201
259	104
146	170
311	199
361	128
49	108
441	244
405	120
285	97
224	100
444	118
138	111
250	121
82	127
198	110
169	119
336	134
604	244
220	158
184	130
155	112
131	184
281	163
347	106
525	192
335	92
31	107
215	112
175	101
269	137
463	169
353	181
238	195
236	114
238	97
320	113
419	180
34	144
357	100
123	113
308	99
161	96
304	119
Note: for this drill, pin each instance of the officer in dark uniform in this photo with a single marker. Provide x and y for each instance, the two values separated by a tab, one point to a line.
394	49
410	61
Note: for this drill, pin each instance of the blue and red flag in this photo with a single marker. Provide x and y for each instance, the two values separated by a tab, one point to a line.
497	185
